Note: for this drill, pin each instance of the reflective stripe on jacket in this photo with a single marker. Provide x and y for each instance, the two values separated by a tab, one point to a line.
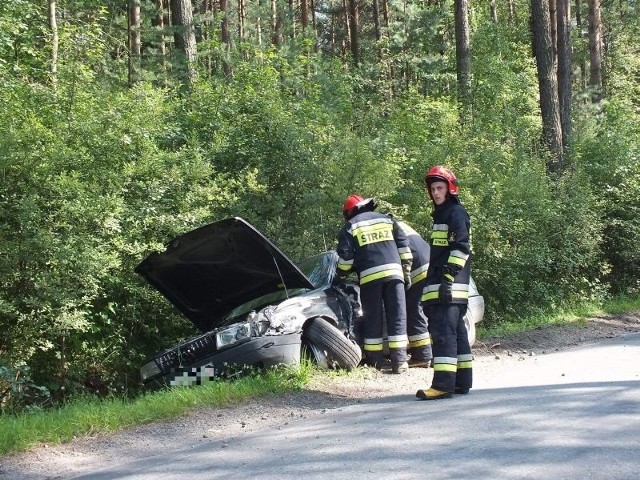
373	245
450	251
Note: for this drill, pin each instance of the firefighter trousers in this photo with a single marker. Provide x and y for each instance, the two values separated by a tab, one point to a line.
452	358
417	325
373	297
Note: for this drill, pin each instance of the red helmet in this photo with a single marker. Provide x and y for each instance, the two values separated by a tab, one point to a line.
350	205
440	173
355	203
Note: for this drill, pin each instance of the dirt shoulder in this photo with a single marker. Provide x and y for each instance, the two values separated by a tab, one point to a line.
324	393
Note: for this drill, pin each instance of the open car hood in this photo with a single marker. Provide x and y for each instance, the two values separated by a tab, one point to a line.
209	271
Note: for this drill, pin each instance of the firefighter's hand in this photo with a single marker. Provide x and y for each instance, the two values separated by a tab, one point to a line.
407	282
446	286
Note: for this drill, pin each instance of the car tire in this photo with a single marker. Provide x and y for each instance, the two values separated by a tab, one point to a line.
340	350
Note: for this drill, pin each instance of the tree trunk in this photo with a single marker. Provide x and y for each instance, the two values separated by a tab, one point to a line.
565	76
595	49
385	13
304	14
583	62
292	19
512	10
493	11
553	19
313	18
241	19
185	37
133	26
354	27
159	21
225	38
53	24
376	20
259	23
275	24
463	56
547	83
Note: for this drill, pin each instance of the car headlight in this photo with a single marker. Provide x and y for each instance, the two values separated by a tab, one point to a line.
148	370
234	334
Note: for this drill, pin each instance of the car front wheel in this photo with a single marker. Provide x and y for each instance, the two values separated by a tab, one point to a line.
339	350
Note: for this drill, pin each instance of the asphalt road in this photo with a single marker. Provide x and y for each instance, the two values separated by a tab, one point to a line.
568	415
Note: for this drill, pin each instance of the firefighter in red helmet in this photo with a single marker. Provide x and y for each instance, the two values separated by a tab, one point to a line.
373	245
446	290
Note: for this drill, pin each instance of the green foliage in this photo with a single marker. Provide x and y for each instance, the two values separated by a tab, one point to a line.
611	157
18	392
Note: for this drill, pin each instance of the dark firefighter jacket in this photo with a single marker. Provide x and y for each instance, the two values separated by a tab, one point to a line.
420	252
450	251
373	245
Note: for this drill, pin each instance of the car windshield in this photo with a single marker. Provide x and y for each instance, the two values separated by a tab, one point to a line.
318	269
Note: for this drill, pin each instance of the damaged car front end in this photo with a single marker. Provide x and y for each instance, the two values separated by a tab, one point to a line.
253	306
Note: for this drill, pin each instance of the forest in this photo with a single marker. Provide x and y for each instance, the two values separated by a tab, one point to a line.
126	123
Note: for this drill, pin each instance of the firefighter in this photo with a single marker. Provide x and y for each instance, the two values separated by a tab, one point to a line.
446	290
373	245
420	354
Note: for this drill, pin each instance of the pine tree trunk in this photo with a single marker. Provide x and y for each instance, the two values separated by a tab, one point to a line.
547	84
133	26
304	14
185	37
553	20
583	63
565	76
53	25
225	37
354	28
595	49
463	57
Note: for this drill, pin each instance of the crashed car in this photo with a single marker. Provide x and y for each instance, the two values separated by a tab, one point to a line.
254	306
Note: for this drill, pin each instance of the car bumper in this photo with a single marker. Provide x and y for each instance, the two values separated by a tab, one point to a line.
262	352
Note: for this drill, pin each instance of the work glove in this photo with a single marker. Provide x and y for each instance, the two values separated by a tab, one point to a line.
407	282
446	286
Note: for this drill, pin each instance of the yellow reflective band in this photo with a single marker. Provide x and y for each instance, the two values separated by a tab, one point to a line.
419	277
420	343
456	261
464	364
400	344
429	296
372	348
376	276
440	243
444	367
344	267
406	256
439	234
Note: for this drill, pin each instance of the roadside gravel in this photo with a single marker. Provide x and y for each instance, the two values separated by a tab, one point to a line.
325	392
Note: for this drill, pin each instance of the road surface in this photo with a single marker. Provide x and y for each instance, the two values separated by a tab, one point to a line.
568	415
